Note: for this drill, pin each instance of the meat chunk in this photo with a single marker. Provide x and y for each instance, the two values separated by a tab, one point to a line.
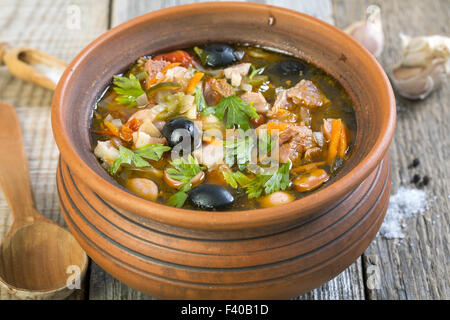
153	67
236	72
293	141
281	102
222	87
306	93
106	152
258	100
313	154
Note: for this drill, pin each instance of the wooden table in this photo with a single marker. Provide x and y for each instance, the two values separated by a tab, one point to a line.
415	268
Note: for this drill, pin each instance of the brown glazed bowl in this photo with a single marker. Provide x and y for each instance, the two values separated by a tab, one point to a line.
265	253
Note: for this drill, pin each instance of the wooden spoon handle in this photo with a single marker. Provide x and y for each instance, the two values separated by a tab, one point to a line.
14	177
32	65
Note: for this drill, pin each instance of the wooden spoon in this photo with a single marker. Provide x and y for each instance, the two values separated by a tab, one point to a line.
32	65
37	257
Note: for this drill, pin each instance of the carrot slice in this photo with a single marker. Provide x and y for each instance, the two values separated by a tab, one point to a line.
194	81
170	66
114	130
334	140
342	148
274	125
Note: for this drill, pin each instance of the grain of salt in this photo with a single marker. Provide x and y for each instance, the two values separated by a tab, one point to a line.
402	205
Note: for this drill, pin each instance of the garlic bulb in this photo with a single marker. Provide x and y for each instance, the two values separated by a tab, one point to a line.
424	66
369	32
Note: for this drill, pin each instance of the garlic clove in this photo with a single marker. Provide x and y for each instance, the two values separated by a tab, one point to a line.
424	66
421	51
369	32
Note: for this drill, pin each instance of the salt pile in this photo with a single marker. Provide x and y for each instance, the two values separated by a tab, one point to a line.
403	205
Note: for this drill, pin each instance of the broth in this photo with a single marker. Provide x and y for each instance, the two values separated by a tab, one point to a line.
296	114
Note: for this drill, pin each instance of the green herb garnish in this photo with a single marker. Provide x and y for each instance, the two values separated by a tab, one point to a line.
136	158
129	89
177	199
238	151
237	111
183	170
254	187
255	71
200	101
152	151
236	178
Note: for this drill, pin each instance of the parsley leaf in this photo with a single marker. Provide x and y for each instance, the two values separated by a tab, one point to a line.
279	181
136	158
239	151
235	178
152	151
127	156
177	199
255	71
184	170
262	182
128	89
237	112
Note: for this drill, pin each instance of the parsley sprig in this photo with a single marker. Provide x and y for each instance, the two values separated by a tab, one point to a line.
128	89
255	71
254	187
237	112
238	151
137	158
183	170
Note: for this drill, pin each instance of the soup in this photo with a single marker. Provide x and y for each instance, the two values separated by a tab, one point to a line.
222	127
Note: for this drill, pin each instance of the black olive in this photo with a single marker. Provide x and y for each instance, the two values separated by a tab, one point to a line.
290	67
178	128
286	70
210	197
219	55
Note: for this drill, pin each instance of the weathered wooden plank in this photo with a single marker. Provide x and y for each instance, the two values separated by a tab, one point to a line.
51	27
416	267
348	285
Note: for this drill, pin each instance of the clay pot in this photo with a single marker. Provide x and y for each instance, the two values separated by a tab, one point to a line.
263	253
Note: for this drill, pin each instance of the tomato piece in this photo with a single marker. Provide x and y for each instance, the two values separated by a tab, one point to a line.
180	56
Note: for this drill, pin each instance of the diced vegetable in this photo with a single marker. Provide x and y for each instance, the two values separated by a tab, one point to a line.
334	139
194	81
275	125
180	56
163	86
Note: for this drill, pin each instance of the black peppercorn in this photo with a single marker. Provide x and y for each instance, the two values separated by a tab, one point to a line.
425	180
415	179
414	163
